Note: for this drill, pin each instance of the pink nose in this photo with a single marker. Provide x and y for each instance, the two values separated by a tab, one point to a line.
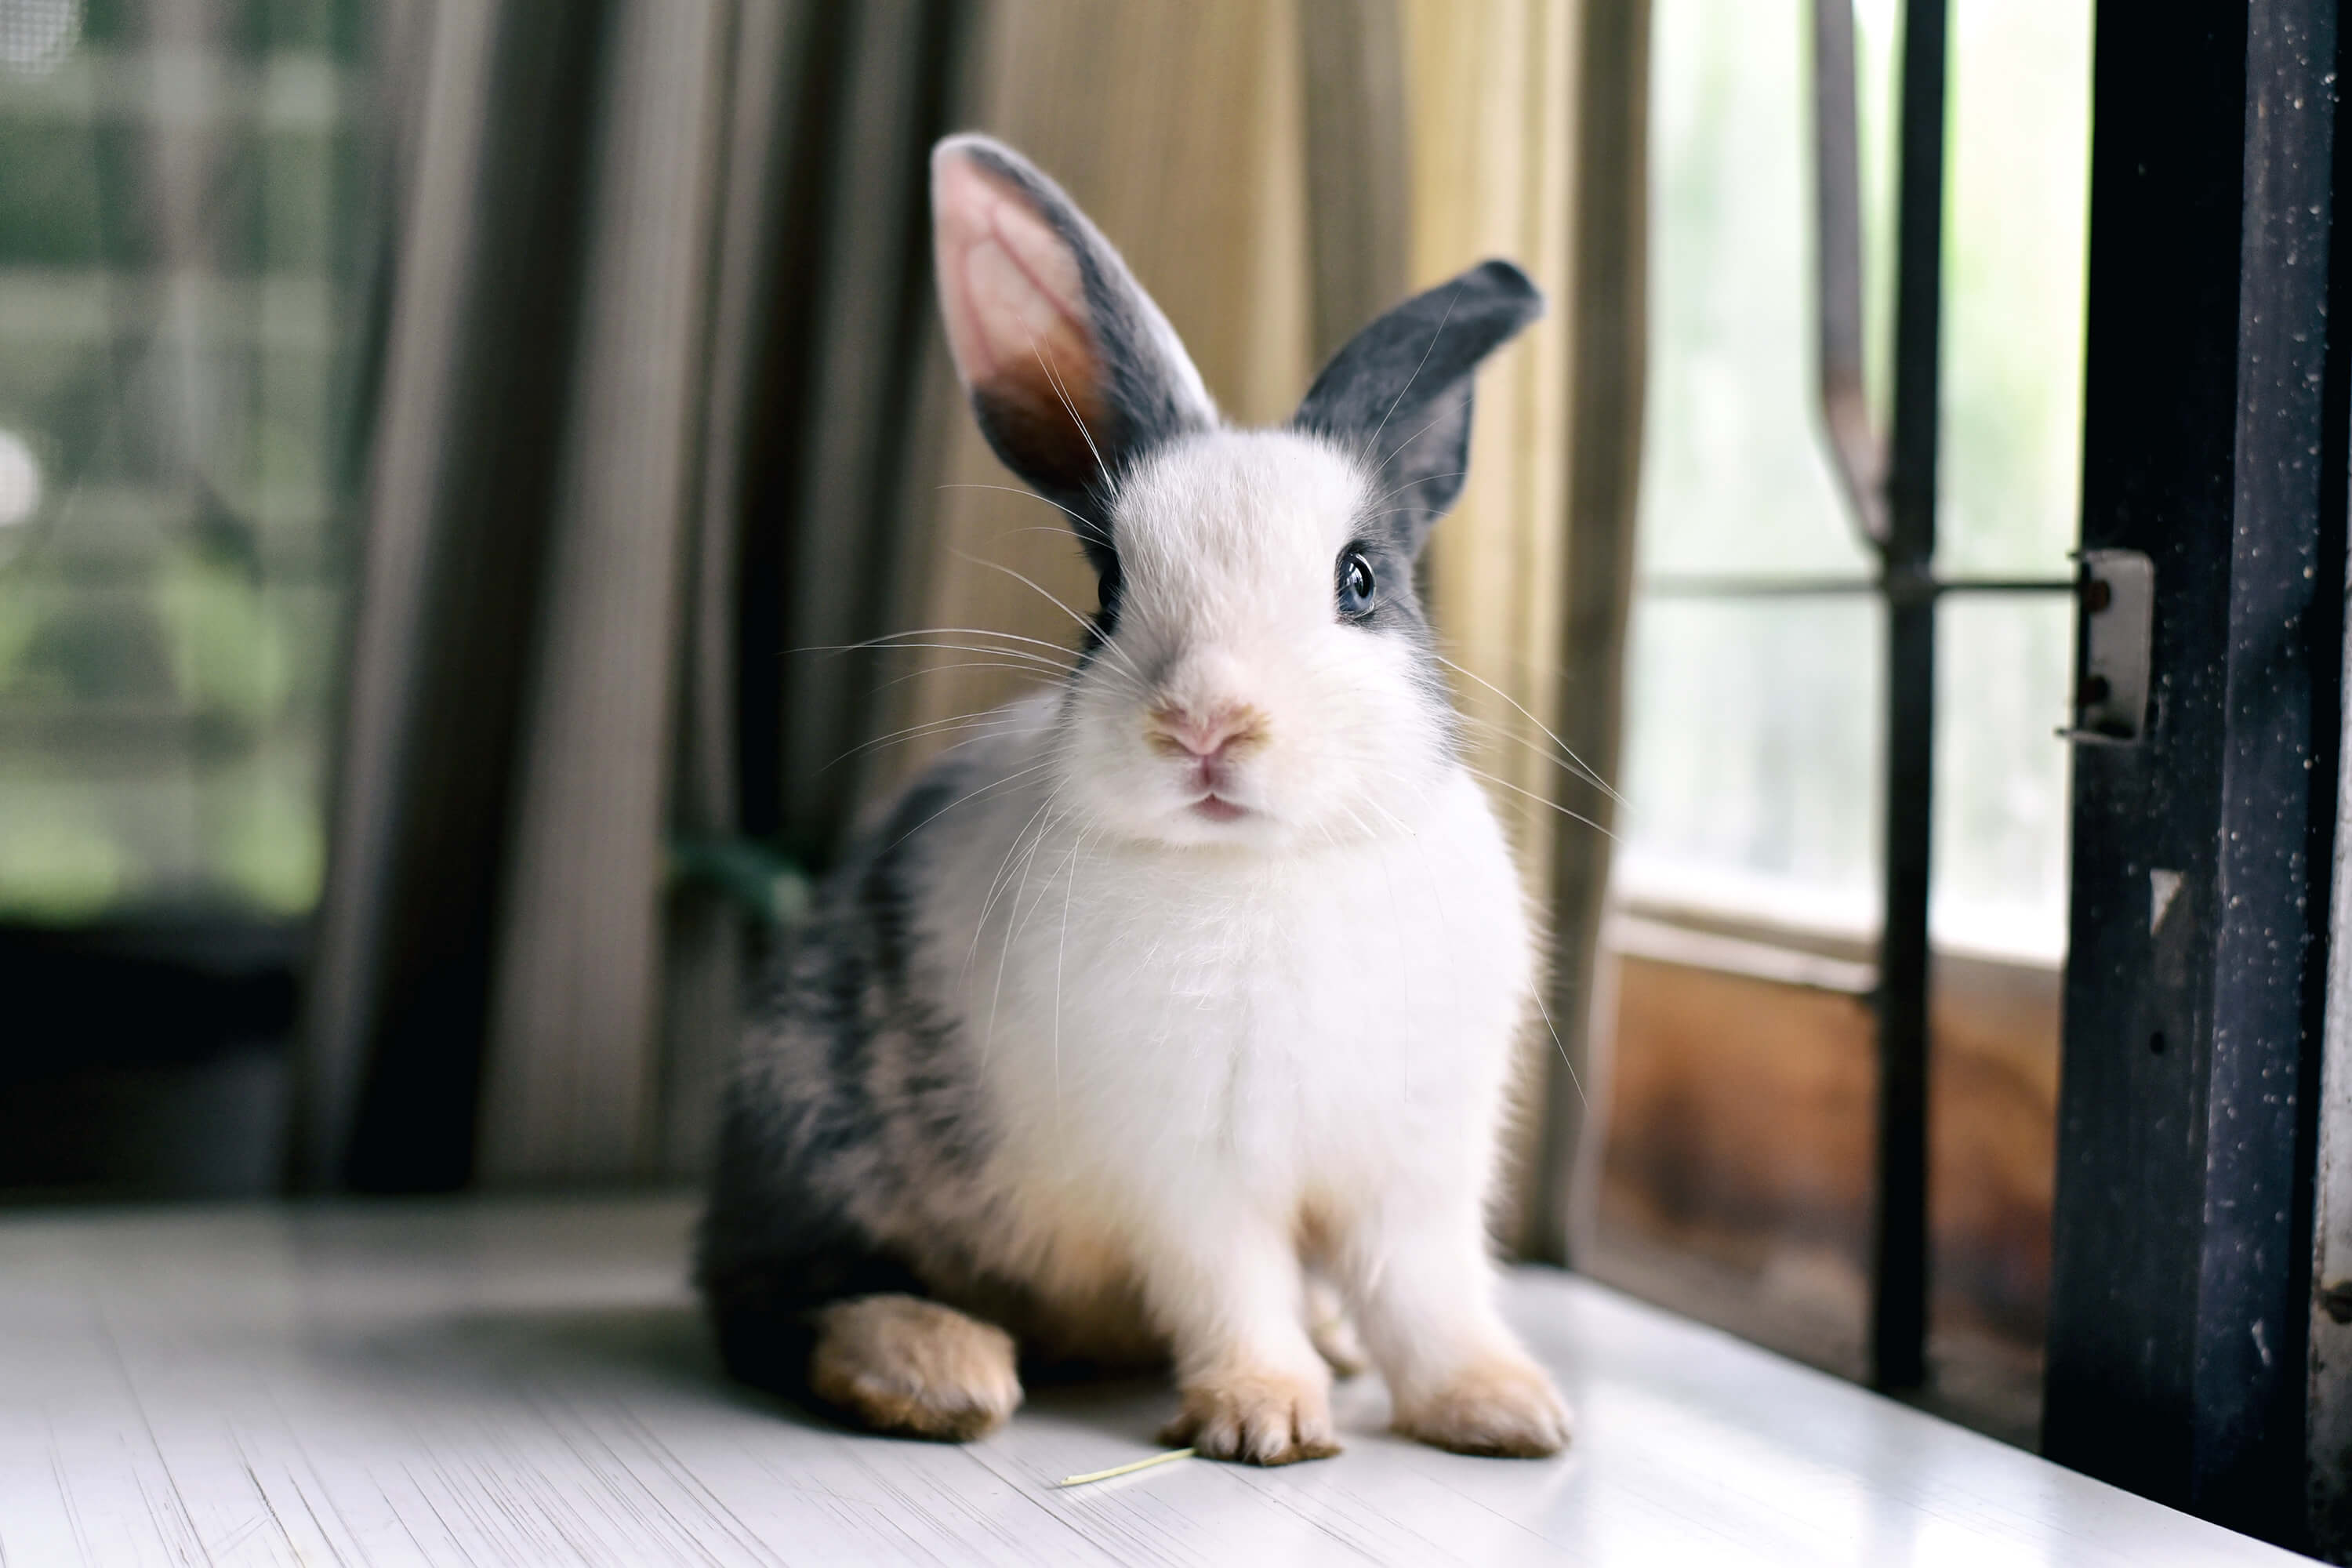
1180	732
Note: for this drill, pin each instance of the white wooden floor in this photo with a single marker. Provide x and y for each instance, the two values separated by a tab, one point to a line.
527	1382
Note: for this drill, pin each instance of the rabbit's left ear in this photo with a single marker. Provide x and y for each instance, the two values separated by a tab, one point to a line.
1400	391
1072	370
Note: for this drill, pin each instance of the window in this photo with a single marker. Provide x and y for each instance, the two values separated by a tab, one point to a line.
1757	675
186	257
1752	738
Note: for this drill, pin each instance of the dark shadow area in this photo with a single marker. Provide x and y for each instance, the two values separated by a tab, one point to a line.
144	1059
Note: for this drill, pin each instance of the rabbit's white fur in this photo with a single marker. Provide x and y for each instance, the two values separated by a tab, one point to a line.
1212	1044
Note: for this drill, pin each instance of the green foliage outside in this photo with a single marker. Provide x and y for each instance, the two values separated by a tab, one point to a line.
187	238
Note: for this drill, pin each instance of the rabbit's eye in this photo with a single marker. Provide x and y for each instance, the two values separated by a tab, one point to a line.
1356	584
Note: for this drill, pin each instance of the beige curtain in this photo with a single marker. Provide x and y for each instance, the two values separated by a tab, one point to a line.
501	102
572	1085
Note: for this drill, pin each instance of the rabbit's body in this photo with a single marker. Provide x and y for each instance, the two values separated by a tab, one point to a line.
1183	1043
1188	981
1203	1046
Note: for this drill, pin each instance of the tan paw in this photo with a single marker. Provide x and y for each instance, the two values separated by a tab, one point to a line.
1257	1418
1504	1407
904	1365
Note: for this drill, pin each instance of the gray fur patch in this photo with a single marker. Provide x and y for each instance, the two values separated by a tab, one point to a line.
854	1115
1397	612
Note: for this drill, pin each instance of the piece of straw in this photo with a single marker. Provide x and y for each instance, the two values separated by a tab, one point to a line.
1125	1469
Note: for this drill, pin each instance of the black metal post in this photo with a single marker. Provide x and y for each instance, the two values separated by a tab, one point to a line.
1898	1319
2214	444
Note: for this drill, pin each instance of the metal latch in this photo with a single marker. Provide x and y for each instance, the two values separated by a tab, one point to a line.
2116	592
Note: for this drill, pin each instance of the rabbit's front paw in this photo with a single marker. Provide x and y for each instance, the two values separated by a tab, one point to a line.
1256	1416
1501	1406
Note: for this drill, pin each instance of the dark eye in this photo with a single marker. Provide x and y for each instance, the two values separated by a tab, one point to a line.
1356	584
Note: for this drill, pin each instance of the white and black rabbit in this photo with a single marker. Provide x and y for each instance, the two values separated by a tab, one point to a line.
1187	992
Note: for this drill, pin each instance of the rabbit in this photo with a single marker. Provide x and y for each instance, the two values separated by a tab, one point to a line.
1180	1001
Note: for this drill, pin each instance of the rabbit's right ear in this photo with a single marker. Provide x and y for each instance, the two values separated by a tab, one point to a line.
1072	370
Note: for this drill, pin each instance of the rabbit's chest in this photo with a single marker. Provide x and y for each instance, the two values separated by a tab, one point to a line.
1288	1024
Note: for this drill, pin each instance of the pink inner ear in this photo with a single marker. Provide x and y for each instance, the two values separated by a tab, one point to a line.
1011	293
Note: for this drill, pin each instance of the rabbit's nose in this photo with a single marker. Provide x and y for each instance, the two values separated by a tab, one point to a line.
1207	734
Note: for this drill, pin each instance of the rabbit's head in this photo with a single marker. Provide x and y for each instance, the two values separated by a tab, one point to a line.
1259	671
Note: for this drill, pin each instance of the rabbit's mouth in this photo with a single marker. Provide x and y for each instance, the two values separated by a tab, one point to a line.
1217	808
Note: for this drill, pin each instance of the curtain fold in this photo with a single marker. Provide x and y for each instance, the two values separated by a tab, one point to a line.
704	948
850	519
477	362
1359	127
571	1083
1607	305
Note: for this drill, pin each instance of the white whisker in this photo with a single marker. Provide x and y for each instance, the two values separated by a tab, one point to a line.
1424	480
1578	1083
1014	918
1001	880
1061	955
975	794
1572	767
1028	669
1105	644
890	640
1372	441
1541	800
1424	431
1017	490
934	726
1084	435
1565	748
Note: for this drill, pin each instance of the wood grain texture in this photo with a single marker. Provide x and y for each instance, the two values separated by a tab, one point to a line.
527	1382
